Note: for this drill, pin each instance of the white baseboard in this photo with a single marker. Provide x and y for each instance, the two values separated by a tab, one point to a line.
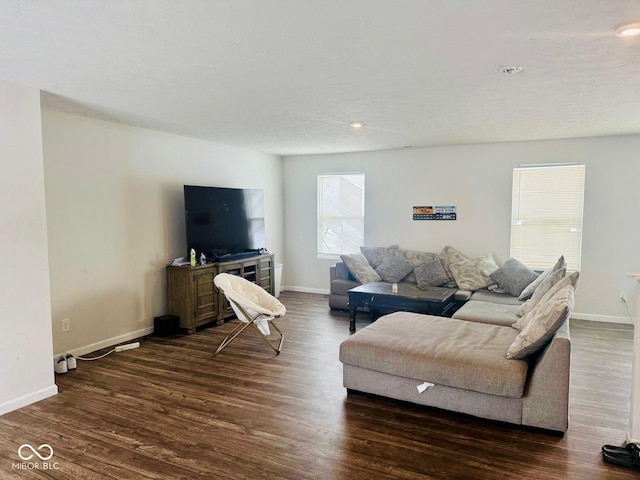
601	318
577	316
320	291
109	342
28	399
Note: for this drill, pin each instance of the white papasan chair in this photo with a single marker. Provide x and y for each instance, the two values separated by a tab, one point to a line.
253	306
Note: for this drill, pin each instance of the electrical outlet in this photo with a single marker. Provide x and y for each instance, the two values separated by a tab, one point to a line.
622	296
66	324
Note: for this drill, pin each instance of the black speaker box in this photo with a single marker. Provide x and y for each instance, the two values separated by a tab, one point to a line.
166	325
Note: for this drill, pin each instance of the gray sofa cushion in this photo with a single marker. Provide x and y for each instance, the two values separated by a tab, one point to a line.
513	276
394	269
487	312
376	255
342	271
431	274
455	353
341	286
462	295
493	297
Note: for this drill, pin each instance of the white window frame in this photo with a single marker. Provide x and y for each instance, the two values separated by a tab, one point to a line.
547	214
340	225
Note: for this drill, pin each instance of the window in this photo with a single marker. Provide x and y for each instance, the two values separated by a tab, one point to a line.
546	214
340	213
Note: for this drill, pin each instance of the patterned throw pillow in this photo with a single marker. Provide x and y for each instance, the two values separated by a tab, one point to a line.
360	268
474	274
394	269
513	276
450	255
431	274
376	255
415	258
528	291
548	317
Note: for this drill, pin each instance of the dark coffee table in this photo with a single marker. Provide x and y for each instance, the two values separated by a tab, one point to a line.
378	296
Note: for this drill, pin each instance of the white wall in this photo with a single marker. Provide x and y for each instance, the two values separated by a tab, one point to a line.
477	180
26	356
115	214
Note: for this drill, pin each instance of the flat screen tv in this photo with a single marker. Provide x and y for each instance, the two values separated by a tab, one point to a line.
224	221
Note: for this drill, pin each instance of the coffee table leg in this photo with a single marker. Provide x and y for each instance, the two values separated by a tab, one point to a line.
352	319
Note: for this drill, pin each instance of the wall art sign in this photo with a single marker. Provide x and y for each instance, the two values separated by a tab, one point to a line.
440	212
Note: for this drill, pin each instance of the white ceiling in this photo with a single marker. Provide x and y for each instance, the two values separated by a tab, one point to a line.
288	76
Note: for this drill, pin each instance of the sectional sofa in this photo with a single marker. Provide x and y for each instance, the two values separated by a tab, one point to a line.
501	356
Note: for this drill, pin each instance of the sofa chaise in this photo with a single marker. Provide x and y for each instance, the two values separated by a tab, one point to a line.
500	357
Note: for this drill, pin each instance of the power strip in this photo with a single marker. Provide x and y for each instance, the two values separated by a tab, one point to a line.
128	346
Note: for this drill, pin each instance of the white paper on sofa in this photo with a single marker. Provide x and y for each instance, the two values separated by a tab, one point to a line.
423	386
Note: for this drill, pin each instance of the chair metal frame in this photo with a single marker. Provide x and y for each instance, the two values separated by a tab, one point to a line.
251	321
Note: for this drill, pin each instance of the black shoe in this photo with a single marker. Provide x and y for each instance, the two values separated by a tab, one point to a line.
631	461
628	449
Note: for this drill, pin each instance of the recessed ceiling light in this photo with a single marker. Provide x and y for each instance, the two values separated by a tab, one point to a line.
357	125
510	70
630	30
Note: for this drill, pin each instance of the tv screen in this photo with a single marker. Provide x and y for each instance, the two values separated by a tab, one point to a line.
223	221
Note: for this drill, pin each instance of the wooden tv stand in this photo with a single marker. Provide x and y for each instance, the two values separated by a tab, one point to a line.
192	296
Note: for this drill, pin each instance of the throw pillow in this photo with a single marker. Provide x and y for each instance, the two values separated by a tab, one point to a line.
431	274
513	276
415	258
538	293
360	268
548	317
376	255
495	288
550	282
474	274
529	305
394	269
528	291
450	255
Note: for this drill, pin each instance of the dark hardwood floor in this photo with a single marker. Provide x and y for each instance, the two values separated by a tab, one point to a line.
171	410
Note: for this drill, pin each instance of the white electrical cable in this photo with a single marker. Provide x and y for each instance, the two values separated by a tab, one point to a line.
96	358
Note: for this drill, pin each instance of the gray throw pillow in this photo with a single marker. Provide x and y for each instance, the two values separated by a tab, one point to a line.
540	297
360	268
528	291
415	258
394	269
538	293
377	255
547	317
513	276
431	274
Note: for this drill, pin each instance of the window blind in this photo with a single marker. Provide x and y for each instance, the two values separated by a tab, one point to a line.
546	215
340	213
